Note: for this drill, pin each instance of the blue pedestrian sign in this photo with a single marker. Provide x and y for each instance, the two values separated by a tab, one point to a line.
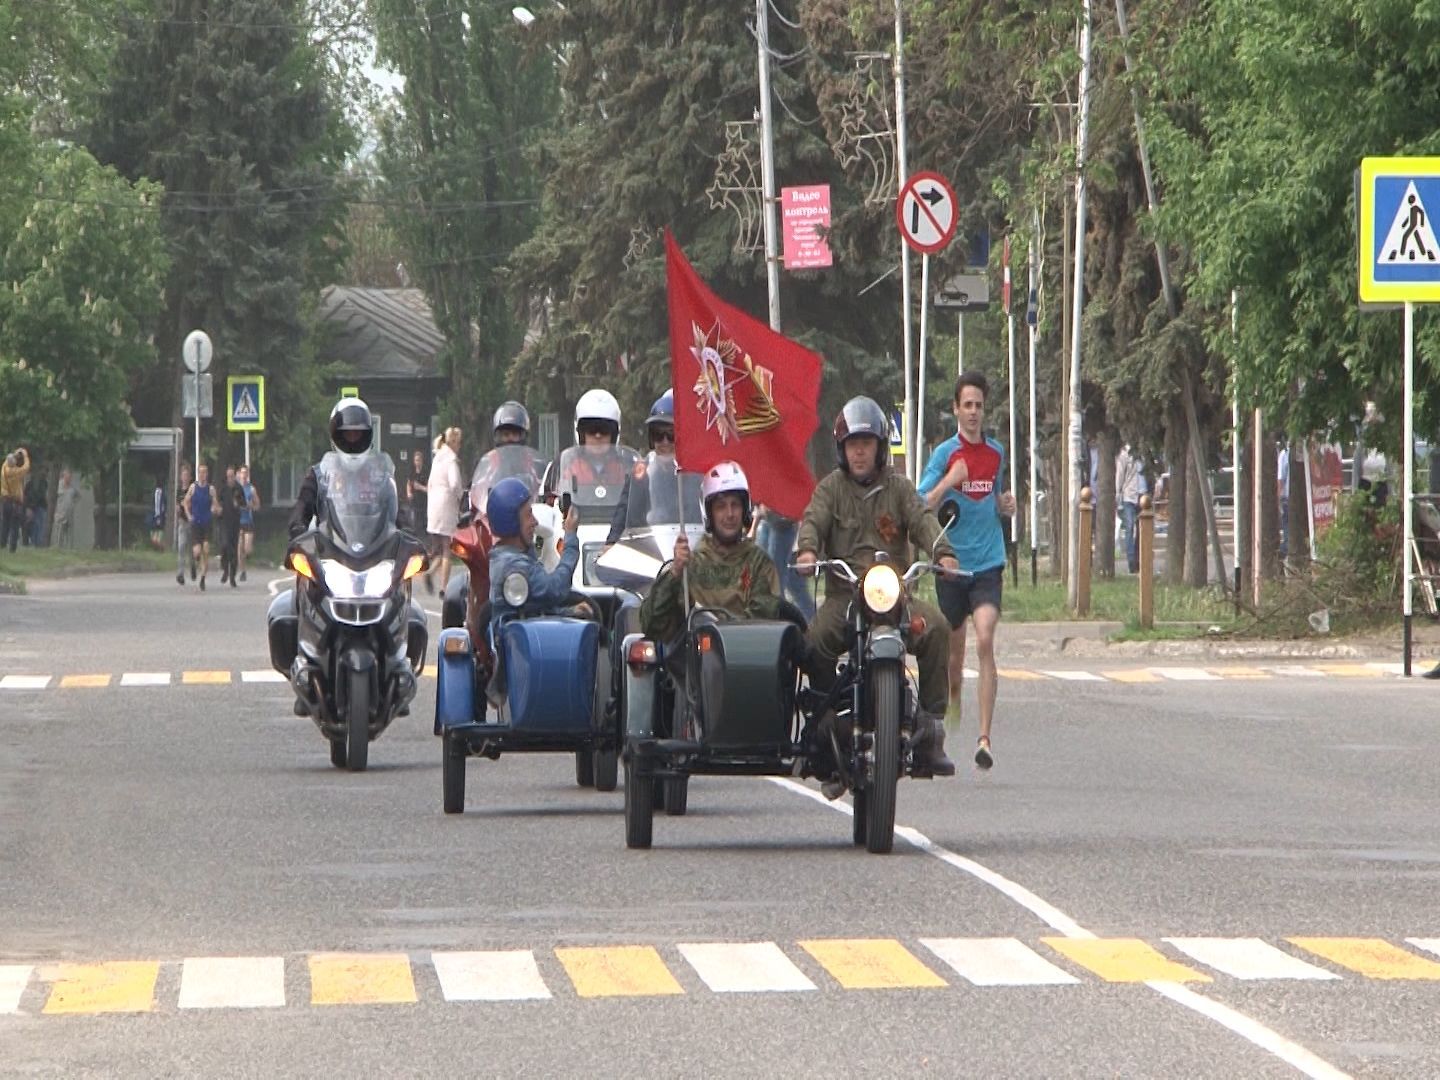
245	401
1399	253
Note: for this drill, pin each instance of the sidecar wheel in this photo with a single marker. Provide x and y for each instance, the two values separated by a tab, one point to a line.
885	697
452	778
606	769
677	794
639	807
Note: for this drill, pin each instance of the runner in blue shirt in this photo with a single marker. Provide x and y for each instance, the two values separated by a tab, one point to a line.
200	503
968	470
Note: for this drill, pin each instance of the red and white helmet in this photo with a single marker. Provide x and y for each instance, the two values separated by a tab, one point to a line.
723	478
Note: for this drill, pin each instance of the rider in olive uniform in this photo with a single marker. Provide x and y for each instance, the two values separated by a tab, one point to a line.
861	508
728	570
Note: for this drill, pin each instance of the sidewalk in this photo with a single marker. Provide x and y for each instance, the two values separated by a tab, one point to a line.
1083	640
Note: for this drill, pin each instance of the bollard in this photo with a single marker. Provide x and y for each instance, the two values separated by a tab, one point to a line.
1147	563
1087	528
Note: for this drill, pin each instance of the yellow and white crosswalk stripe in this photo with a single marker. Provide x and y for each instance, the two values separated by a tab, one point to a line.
84	682
24	682
511	975
749	967
1185	674
997	962
205	678
145	678
269	675
232	982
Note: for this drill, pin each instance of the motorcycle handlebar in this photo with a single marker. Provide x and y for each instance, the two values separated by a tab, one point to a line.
844	569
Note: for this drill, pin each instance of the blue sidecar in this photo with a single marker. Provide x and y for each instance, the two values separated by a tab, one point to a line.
550	693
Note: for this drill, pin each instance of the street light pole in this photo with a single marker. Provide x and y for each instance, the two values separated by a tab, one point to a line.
1078	472
902	172
767	164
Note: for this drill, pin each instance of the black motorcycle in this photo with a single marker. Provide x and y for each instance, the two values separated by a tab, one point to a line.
876	732
348	636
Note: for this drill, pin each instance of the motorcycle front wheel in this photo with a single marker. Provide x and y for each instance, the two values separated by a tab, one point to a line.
885	696
357	720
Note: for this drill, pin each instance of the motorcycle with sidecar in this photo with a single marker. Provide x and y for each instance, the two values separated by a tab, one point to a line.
729	699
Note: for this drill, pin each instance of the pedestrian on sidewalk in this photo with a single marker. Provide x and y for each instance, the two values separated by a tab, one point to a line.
183	557
13	474
200	502
443	499
156	518
776	534
251	504
967	470
1129	486
66	500
37	505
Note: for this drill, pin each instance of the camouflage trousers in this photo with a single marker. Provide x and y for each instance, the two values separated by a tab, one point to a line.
826	638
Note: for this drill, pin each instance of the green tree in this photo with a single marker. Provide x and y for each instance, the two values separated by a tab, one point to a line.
462	190
232	109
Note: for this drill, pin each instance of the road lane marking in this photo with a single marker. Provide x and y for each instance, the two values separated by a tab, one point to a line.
24	682
1241	672
145	678
204	678
997	962
122	986
1074	676
361	979
871	964
617	971
1132	675
86	682
510	975
745	967
1351	671
1295	669
1185	674
1375	958
1272	1042
262	676
13	980
1020	674
1124	960
1248	958
232	982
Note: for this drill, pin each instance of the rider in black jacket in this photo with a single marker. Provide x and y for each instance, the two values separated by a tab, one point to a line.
351	432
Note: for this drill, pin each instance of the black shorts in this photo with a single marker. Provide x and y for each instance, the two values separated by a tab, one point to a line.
199	534
960	597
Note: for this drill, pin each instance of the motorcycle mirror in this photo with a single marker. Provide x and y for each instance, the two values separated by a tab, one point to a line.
564	504
947	514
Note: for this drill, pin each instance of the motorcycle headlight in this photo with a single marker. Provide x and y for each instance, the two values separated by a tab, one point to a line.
881	588
515	589
346	584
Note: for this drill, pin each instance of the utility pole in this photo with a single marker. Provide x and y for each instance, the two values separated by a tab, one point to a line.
1079	473
902	173
767	164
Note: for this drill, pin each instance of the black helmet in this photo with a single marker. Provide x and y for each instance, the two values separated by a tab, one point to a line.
861	416
351	431
512	415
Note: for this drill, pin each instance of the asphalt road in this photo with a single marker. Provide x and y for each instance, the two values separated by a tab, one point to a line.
1164	878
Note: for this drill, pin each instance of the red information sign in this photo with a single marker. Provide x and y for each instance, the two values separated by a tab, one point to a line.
805	216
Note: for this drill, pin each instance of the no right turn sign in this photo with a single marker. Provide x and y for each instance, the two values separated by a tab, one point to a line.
926	212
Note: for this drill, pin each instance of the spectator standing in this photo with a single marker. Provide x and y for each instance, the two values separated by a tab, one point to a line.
1282	495
182	529
156	517
13	474
37	505
443	498
775	534
65	501
1129	486
416	490
247	516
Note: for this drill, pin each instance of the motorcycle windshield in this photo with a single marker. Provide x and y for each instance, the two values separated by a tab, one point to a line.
662	502
360	500
594	479
503	462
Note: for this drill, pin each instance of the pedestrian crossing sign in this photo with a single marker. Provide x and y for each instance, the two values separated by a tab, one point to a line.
246	397
1399	254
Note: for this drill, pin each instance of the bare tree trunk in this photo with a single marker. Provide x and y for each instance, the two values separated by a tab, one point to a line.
1242	514
1055	531
1197	556
1062	503
1176	456
1105	504
1297	513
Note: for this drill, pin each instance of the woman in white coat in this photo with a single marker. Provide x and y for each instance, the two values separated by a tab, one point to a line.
443	511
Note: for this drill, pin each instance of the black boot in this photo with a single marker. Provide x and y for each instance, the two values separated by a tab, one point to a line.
930	749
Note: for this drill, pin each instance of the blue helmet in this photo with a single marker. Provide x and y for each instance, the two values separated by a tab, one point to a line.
663	411
502	508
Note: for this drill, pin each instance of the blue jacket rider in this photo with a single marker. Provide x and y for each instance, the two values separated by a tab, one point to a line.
512	523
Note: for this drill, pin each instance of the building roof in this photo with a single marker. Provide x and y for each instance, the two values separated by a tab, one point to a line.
379	333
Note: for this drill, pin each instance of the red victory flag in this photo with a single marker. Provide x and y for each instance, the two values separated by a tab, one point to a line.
743	392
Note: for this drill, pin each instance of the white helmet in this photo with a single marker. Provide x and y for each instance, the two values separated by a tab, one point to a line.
598	406
725	477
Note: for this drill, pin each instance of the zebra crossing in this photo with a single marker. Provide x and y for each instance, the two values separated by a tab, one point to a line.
584	972
1111	675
